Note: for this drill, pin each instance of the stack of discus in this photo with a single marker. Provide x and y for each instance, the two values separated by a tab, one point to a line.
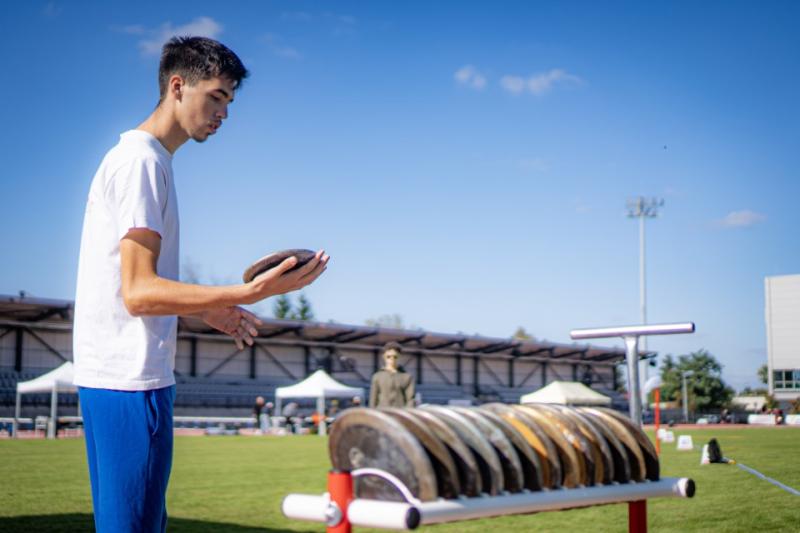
449	452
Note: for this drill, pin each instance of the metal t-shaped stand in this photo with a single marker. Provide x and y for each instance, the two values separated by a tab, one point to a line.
631	334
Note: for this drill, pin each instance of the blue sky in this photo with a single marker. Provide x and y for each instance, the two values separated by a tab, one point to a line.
466	164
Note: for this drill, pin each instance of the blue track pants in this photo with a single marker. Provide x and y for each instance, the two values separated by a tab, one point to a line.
129	448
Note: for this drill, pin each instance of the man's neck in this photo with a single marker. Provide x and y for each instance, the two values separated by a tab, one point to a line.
162	125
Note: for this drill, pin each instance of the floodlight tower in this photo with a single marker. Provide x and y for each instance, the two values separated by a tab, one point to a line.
643	208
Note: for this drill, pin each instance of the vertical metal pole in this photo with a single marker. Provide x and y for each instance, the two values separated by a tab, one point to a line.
643	294
17	412
657	397
684	399
52	426
634	396
193	357
642	284
637	517
18	339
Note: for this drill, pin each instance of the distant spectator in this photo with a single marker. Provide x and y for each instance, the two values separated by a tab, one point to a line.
356	401
391	386
259	415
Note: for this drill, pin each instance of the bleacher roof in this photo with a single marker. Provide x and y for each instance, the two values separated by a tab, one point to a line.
57	314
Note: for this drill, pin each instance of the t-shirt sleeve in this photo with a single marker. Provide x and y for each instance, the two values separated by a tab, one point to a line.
139	197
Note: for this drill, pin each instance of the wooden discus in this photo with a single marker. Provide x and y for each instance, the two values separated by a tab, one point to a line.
632	448
529	459
469	475
368	438
272	260
442	461
604	462
536	438
488	463
648	449
573	464
513	477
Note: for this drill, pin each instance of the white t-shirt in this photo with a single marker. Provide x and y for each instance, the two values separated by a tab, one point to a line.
133	188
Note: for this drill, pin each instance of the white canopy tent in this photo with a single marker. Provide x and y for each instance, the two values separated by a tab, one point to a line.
55	381
318	385
566	393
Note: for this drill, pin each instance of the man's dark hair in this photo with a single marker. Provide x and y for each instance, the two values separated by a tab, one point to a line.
198	58
392	345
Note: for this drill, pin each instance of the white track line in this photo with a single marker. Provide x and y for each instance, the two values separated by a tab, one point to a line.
756	473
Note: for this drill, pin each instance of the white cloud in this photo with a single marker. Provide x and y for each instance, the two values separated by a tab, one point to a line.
470	77
155	38
279	49
540	83
512	84
741	219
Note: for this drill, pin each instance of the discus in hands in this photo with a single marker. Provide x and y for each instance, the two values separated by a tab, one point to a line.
272	260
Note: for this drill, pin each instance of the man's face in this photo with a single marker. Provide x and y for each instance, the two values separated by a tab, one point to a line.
201	108
390	358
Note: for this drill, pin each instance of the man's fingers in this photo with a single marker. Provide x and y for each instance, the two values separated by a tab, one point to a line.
243	334
311	276
249	327
285	265
311	265
251	317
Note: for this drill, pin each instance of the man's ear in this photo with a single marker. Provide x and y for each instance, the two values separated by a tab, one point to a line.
176	84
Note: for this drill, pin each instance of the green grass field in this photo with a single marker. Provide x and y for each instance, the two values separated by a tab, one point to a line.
236	484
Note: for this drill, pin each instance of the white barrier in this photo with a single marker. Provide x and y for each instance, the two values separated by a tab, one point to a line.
768	420
793	420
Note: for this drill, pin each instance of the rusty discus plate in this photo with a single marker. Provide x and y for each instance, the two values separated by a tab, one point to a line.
573	465
648	449
469	476
632	449
575	437
513	477
604	461
489	466
368	438
272	260
583	453
528	458
622	470
443	465
536	438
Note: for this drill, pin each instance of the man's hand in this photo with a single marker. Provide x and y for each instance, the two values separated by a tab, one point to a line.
277	281
235	321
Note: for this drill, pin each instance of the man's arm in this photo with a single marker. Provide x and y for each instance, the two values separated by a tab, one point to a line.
410	391
373	391
145	293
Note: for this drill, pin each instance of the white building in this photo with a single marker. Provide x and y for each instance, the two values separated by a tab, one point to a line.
782	313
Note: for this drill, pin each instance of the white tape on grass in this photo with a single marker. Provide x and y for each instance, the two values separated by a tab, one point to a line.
756	473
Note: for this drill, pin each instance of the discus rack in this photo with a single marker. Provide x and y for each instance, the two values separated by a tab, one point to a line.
340	511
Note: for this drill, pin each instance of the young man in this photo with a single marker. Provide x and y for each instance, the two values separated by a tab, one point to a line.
391	386
128	296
